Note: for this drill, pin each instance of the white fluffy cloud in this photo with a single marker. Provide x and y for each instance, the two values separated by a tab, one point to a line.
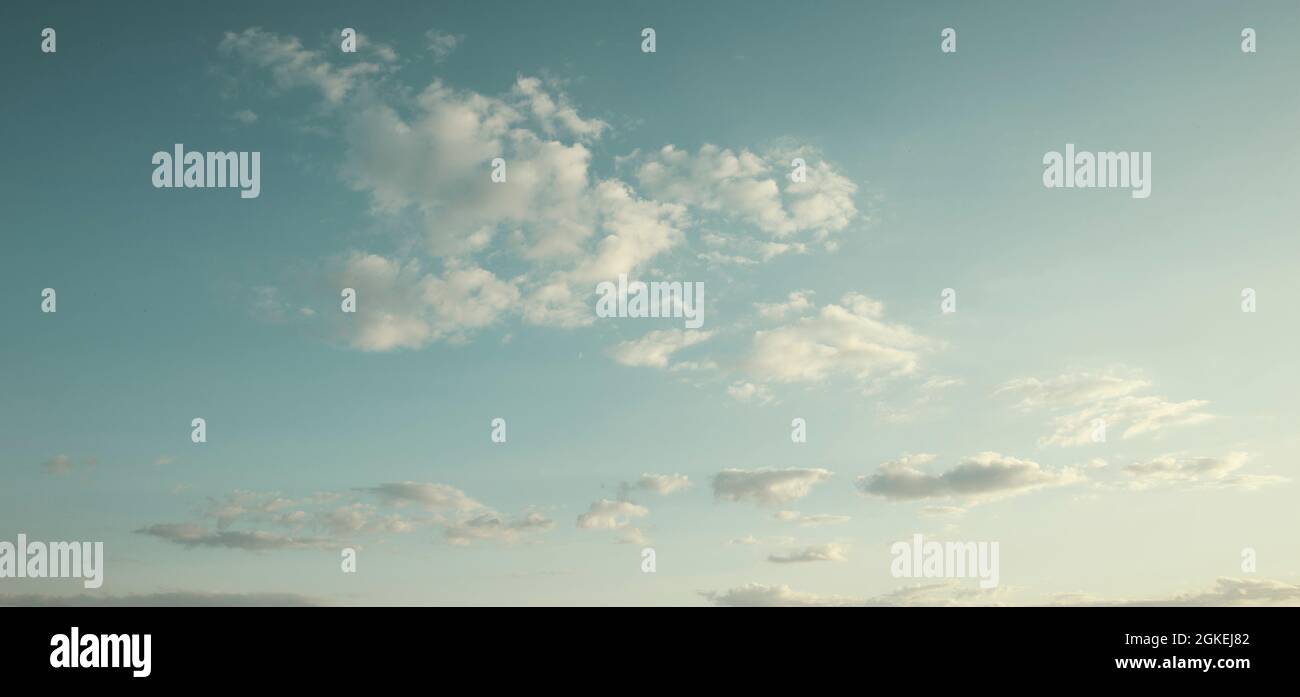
437	164
849	339
662	484
748	186
611	515
981	477
618	515
656	348
555	113
796	303
767	486
401	306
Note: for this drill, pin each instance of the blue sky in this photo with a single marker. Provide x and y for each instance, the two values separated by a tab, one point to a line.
822	300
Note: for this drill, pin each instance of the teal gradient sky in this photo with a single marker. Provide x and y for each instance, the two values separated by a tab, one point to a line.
159	319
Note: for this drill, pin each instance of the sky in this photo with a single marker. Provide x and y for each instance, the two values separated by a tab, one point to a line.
823	301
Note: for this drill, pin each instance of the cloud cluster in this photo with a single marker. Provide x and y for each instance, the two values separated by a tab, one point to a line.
260	522
424	159
946	594
1226	592
608	514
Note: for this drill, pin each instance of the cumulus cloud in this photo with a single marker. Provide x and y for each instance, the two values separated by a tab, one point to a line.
426	494
618	515
441	44
1079	401
611	515
656	349
635	229
826	552
400	306
766	486
662	483
554	112
796	303
434	162
423	158
849	339
744	185
980	477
